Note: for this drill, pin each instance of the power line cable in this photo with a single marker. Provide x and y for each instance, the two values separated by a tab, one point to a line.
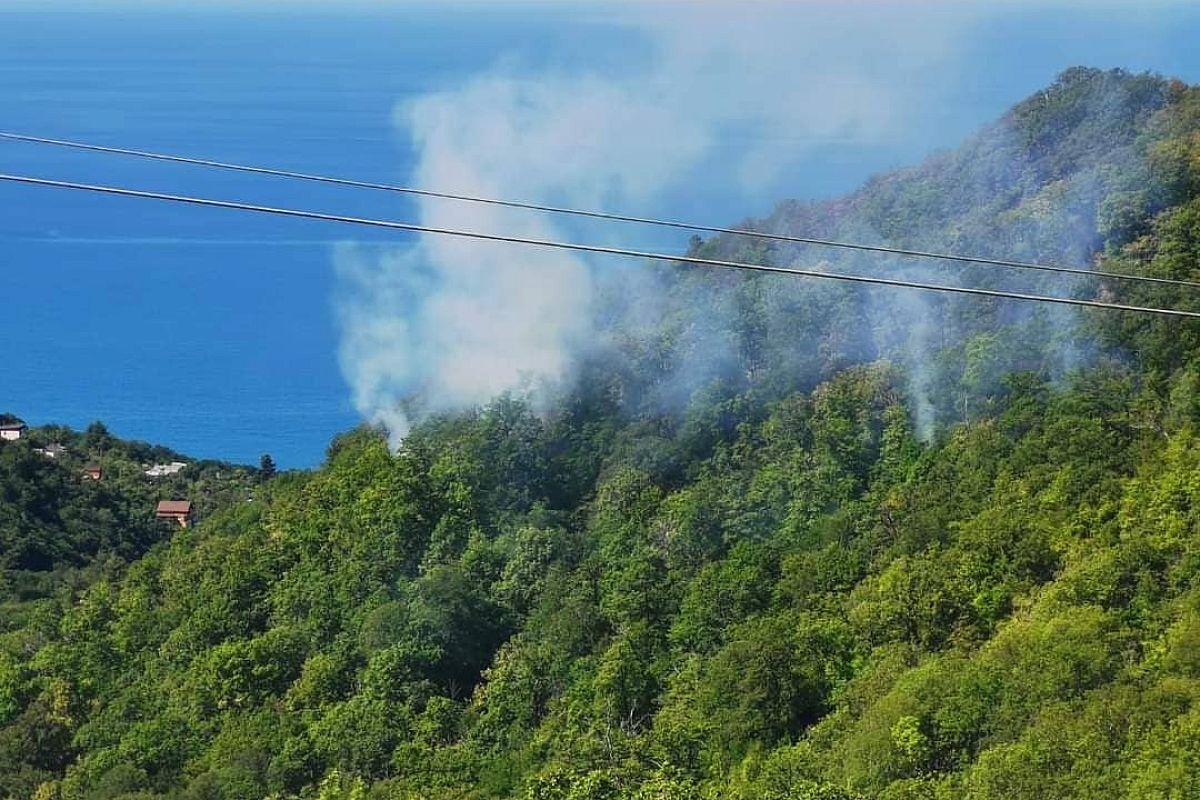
601	215
584	248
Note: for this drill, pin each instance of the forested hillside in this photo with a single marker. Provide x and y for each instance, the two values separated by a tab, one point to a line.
75	506
53	516
783	540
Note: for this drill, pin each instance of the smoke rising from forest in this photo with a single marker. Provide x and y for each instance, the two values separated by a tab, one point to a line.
443	325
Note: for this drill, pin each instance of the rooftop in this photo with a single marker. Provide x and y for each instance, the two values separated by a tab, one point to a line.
159	470
174	507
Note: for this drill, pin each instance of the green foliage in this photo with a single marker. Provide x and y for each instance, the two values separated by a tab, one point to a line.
829	563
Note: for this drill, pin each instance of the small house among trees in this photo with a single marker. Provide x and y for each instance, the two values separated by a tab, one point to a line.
162	470
178	510
93	472
12	429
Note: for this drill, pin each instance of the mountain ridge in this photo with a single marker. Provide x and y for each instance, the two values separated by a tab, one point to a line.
729	562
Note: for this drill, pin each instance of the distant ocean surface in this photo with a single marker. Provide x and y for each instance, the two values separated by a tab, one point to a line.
214	332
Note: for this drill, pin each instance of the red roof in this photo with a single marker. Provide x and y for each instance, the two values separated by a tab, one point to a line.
173	507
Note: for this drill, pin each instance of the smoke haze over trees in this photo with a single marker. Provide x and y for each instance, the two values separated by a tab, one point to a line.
767	538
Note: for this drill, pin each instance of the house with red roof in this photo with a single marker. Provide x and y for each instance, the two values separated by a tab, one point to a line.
178	510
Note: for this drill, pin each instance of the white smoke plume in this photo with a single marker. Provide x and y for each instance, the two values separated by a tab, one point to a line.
446	324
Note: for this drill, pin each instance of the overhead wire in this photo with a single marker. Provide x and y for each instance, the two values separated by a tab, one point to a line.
599	215
586	248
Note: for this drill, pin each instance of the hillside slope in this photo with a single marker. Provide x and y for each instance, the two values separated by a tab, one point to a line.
75	506
750	575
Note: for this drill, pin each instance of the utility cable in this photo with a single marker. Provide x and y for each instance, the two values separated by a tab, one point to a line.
601	215
585	248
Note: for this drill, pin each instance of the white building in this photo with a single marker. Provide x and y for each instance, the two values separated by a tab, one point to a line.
162	470
12	431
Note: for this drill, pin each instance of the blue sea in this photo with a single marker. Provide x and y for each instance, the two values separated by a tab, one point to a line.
215	332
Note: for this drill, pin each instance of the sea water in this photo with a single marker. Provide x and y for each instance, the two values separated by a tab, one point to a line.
215	332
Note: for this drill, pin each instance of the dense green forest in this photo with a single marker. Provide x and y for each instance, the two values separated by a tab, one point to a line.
782	540
59	526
